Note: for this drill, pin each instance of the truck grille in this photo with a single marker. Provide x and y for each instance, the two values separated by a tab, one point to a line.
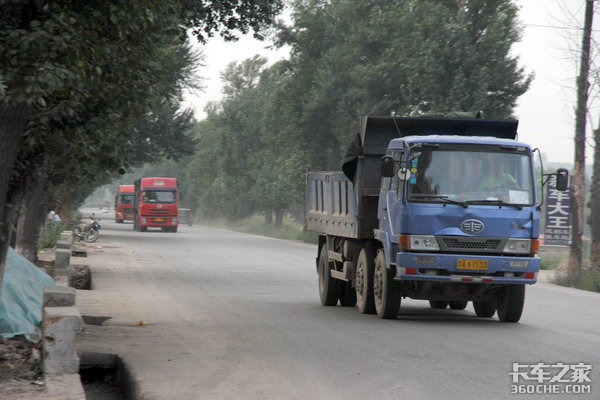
159	212
470	244
128	210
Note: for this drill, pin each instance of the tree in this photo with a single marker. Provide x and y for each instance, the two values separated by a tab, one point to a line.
348	58
77	77
576	251
354	58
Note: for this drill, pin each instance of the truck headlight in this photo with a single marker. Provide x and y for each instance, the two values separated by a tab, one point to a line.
174	221
424	242
517	246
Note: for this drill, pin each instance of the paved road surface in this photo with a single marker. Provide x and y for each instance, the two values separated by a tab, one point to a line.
235	316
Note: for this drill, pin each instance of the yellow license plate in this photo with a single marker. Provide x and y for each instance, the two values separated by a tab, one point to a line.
470	264
158	219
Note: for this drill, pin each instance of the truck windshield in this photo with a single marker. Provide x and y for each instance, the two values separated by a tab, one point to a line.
154	196
126	198
441	175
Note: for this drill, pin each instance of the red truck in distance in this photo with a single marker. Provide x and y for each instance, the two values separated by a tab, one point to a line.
156	204
124	204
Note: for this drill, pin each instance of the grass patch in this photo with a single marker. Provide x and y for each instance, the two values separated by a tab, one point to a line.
290	228
589	280
551	261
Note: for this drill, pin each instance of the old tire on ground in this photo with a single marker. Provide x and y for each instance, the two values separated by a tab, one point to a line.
458	305
347	294
364	281
386	290
438	304
485	309
329	288
509	303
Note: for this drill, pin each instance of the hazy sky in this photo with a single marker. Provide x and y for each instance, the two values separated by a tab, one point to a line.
551	37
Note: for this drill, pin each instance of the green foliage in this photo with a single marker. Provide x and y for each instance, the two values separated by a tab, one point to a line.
349	58
103	81
589	279
255	224
49	234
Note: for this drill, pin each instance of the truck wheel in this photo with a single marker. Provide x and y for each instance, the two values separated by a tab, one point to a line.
364	281
509	303
385	290
485	309
174	229
347	295
329	288
458	305
438	304
143	228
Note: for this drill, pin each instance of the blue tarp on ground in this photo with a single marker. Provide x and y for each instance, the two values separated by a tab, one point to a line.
21	301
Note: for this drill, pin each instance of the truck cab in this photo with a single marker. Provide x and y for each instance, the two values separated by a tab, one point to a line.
450	216
124	203
156	203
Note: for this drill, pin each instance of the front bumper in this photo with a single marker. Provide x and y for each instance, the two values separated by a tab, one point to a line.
161	221
436	267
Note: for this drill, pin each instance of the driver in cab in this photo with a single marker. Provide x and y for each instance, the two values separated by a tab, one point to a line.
497	178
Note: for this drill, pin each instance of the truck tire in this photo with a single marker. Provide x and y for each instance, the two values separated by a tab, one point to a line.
347	295
364	281
438	304
509	303
485	309
458	305
143	228
329	288
386	290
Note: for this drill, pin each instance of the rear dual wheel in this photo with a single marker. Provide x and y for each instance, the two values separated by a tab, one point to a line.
329	288
364	281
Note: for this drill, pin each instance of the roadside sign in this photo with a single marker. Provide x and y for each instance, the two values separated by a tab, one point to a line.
558	215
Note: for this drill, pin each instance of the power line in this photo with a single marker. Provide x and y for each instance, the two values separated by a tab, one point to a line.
557	27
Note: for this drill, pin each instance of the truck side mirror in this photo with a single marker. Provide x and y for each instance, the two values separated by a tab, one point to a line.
562	179
387	167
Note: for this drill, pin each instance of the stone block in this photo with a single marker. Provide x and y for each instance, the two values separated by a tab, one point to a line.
63	244
66	236
62	260
59	296
59	327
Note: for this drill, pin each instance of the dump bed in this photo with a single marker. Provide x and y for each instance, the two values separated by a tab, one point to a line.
331	204
345	203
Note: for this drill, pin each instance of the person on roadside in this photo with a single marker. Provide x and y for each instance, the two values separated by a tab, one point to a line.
53	217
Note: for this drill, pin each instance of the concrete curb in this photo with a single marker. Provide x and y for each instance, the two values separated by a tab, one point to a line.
61	322
64	387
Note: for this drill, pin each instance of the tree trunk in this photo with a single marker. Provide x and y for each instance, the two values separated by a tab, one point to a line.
269	217
278	217
576	251
13	121
31	216
594	204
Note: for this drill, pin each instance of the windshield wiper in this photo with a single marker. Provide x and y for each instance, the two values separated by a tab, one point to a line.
495	202
437	196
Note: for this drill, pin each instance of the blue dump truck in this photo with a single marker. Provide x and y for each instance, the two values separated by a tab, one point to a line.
431	208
